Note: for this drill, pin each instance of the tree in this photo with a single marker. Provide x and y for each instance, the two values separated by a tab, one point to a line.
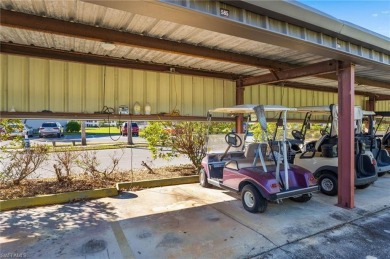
167	139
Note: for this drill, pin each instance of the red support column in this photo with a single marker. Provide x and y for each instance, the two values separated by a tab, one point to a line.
239	100
370	104
346	159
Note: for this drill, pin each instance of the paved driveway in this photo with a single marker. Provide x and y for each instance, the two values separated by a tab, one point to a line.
188	221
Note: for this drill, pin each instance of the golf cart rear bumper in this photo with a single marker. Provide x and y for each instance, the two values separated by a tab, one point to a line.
382	169
292	193
366	180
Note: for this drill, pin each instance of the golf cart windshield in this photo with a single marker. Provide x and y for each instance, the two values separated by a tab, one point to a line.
333	111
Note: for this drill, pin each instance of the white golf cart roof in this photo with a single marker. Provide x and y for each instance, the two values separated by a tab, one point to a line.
368	112
250	108
325	110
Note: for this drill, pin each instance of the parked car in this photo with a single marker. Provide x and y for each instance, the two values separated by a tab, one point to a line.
18	130
27	130
134	129
51	129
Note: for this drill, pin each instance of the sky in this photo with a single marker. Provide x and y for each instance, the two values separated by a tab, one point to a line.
372	15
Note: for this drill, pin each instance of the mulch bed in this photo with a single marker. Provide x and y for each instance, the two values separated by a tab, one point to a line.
33	187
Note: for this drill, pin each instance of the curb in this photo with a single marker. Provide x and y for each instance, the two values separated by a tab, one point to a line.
56	198
59	198
158	183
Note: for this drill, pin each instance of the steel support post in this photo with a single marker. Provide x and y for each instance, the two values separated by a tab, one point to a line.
239	100
346	160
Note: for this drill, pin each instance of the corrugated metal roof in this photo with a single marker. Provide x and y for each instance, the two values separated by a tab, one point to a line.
91	14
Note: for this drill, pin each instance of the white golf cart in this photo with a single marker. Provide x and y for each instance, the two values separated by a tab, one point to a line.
374	143
247	169
321	157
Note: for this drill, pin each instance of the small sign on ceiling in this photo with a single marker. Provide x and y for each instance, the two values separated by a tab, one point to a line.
224	12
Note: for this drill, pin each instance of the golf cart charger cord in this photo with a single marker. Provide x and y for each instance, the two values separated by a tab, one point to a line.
109	110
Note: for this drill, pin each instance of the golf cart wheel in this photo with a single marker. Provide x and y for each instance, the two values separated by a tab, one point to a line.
381	174
302	198
252	200
203	179
328	184
364	186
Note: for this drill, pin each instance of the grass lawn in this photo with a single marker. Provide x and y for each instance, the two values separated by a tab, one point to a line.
102	130
97	131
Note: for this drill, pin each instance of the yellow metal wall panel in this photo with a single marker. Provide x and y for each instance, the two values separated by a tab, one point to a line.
31	84
218	92
209	93
229	93
38	84
382	106
163	95
198	94
3	83
124	88
57	86
76	87
93	89
176	102
17	84
109	87
151	93
139	80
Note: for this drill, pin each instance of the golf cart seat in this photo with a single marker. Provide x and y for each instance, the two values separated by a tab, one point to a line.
249	156
320	142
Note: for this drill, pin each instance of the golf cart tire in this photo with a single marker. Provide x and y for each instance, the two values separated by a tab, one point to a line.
381	174
302	198
363	186
203	179
328	178
259	202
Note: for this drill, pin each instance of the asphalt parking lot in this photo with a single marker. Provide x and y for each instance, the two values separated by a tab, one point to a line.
188	221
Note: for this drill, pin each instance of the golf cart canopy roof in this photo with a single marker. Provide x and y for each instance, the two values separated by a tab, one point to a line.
368	112
250	108
325	110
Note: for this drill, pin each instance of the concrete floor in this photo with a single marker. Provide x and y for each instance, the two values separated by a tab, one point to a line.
188	221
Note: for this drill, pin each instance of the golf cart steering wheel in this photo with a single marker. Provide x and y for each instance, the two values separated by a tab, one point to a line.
324	132
233	139
297	134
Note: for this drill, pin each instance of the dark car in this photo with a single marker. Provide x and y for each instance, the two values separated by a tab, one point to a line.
134	129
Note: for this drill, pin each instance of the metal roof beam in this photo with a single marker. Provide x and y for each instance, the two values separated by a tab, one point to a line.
33	51
311	87
277	76
72	29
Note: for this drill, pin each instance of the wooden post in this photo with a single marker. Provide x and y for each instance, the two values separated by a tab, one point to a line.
346	158
83	134
129	134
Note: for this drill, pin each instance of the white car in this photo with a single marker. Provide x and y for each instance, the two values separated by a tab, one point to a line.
19	130
51	129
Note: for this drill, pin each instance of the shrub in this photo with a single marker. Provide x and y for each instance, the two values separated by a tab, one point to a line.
89	163
65	161
73	126
18	165
166	139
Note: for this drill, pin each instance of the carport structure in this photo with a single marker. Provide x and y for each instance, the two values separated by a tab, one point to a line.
264	47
